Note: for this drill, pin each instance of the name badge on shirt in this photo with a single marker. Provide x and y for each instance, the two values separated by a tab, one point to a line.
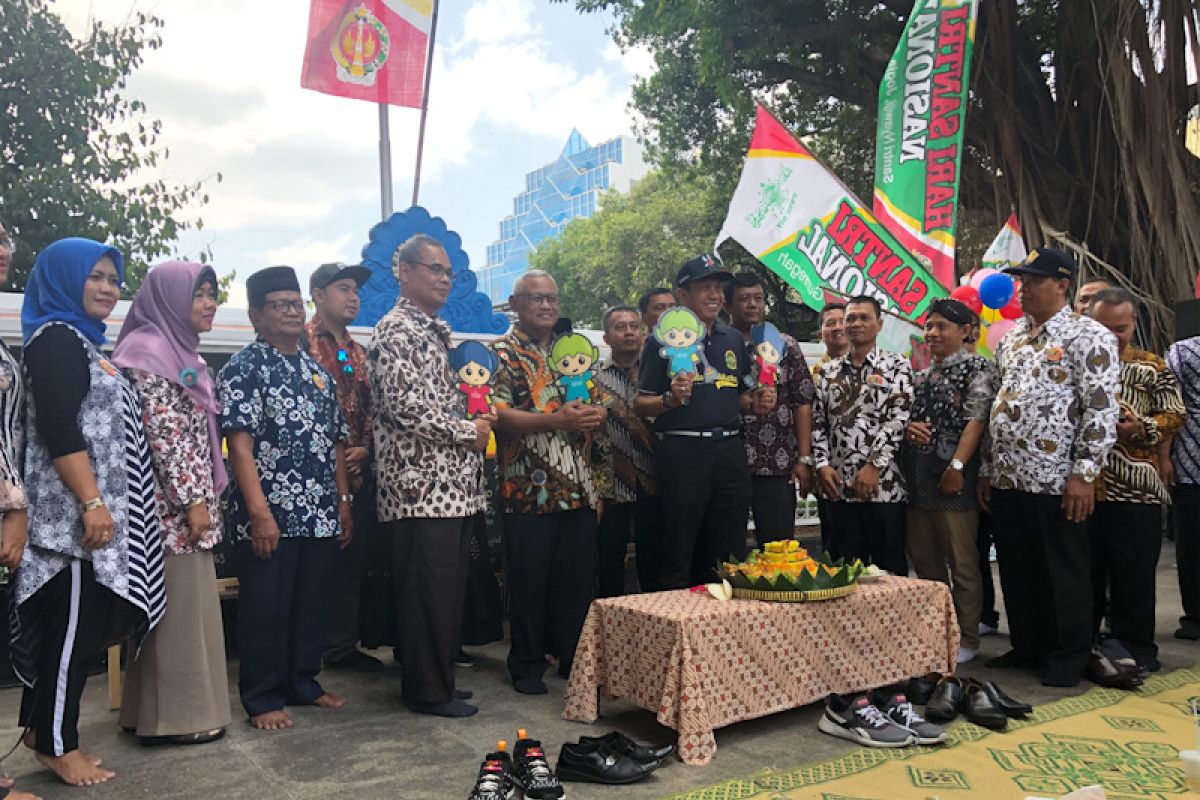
108	367
319	381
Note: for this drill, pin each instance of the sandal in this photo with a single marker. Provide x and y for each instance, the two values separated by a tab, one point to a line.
203	737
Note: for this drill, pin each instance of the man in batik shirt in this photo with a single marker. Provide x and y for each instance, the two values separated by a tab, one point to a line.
334	291
552	465
951	401
1052	425
859	415
1126	530
290	504
1184	361
632	499
779	444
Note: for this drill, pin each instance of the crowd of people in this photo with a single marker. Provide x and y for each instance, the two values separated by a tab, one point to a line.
114	487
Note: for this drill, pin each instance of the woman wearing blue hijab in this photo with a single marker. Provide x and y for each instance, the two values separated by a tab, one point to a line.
92	572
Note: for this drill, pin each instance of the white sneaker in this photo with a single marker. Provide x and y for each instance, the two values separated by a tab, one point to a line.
965	654
987	630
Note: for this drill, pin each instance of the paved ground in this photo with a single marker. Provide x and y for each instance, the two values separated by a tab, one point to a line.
375	749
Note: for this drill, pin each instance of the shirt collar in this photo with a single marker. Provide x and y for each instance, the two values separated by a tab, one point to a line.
1052	325
317	327
528	341
868	360
952	359
421	318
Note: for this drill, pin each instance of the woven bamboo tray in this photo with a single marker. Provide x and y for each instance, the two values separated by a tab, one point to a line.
795	597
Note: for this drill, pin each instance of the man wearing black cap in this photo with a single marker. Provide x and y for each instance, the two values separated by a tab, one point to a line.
334	291
290	505
701	462
1052	425
951	401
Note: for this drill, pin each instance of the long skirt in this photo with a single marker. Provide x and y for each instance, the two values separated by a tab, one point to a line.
179	684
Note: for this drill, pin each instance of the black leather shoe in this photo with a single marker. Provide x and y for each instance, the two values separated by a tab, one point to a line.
599	763
919	690
1011	707
1102	671
980	709
947	700
628	747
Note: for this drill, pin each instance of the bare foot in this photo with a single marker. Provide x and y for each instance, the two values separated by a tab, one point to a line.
329	700
6	783
75	769
30	741
271	721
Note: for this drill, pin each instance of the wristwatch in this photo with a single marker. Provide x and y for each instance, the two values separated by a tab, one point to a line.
93	504
346	498
807	461
957	465
667	398
1086	472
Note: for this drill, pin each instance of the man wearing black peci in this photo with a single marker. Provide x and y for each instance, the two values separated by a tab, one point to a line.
701	462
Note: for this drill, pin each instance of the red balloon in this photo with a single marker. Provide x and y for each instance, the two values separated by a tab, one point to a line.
1012	309
969	297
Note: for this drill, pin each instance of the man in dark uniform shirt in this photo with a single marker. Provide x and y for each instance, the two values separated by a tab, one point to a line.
701	462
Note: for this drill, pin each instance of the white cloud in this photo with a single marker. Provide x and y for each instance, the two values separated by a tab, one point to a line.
497	20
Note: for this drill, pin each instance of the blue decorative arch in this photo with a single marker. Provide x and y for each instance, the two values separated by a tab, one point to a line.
467	310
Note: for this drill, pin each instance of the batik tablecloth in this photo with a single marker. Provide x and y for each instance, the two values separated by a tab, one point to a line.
701	664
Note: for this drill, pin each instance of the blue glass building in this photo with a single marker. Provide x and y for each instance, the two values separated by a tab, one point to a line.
565	189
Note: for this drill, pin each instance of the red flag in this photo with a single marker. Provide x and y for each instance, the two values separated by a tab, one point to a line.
368	49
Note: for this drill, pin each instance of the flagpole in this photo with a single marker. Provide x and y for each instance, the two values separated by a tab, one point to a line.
385	164
425	103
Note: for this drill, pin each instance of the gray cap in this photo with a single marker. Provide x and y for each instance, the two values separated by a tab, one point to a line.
336	271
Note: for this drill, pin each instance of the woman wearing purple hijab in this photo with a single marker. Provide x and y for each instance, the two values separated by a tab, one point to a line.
177	691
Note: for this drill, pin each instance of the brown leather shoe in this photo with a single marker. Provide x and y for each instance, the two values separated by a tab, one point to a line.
1102	671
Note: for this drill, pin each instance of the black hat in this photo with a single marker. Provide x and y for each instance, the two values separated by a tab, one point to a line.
1047	261
336	271
704	266
271	279
953	310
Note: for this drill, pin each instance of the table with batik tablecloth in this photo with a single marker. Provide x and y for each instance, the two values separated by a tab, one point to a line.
700	664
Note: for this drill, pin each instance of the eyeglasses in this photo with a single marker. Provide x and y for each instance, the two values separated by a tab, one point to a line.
539	299
344	359
441	270
284	306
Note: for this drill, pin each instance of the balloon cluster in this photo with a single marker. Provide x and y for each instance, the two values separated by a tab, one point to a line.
994	291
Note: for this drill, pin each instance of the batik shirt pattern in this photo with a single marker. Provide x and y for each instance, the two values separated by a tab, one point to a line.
288	404
771	447
859	417
424	445
547	471
631	441
947	395
1150	396
1184	360
348	368
1055	411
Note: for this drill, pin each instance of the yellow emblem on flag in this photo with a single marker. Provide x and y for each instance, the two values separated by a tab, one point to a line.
360	47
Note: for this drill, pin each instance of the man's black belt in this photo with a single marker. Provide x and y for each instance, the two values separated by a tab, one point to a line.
712	433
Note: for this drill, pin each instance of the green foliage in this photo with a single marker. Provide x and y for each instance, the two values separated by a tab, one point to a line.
639	240
74	148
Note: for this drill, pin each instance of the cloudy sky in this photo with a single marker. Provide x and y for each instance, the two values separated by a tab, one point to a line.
300	169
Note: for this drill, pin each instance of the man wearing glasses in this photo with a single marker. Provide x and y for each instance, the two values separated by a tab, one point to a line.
430	476
290	504
553	472
334	291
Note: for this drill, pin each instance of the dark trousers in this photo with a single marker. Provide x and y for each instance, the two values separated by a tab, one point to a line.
644	517
429	564
1126	539
551	567
983	540
1186	508
283	614
773	503
706	493
826	523
75	612
345	596
873	532
1045	572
